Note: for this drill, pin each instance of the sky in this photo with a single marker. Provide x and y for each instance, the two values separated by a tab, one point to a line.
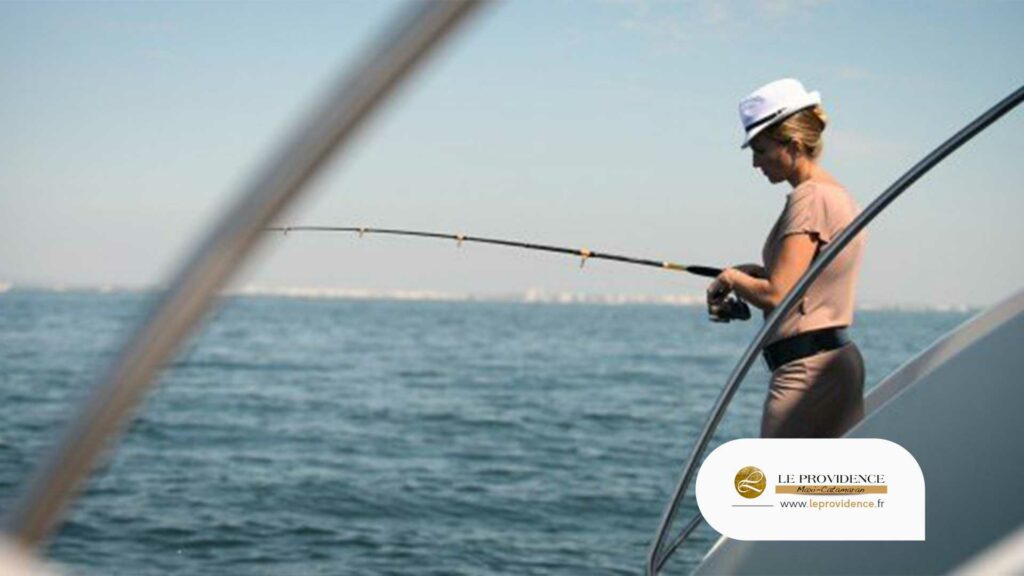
129	127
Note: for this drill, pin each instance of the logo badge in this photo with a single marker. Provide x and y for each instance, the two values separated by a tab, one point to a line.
819	489
750	482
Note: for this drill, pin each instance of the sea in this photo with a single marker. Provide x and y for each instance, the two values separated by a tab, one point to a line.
300	436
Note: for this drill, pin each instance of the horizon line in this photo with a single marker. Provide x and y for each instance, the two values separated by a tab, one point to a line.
529	296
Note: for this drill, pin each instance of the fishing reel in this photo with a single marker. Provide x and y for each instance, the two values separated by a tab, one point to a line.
732	308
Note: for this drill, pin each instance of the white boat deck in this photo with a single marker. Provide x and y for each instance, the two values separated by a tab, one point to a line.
959	409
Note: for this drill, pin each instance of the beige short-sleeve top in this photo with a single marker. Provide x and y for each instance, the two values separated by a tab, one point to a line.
822	210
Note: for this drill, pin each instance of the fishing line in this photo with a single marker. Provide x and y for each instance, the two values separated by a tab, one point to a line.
583	253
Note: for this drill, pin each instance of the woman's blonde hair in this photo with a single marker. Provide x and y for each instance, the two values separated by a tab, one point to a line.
804	128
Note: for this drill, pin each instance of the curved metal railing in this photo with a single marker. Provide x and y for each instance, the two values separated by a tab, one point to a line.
660	553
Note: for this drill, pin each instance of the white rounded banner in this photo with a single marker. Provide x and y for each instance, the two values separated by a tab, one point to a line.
812	489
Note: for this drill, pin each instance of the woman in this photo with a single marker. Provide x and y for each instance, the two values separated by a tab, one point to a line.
817	379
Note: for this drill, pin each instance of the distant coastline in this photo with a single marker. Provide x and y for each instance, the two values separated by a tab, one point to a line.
532	296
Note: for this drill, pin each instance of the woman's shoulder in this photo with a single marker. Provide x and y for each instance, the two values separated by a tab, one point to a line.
820	191
826	205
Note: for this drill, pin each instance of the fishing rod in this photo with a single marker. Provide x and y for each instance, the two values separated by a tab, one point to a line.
583	253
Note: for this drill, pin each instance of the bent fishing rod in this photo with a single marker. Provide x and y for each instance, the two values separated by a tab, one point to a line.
583	253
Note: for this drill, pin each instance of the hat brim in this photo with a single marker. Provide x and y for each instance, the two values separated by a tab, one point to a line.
813	99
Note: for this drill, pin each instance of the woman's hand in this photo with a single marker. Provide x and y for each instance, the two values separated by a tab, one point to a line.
718	291
720	287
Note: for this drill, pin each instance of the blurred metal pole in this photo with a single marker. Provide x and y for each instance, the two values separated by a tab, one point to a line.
191	292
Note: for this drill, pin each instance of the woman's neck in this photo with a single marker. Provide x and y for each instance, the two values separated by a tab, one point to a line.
805	169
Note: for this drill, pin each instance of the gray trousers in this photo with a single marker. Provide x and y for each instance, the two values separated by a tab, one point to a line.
821	396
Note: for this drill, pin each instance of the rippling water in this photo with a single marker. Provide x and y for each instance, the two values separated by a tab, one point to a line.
376	437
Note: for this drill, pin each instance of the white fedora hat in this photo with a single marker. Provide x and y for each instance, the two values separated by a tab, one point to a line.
773	103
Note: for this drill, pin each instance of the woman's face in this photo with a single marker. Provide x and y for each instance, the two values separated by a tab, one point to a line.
774	159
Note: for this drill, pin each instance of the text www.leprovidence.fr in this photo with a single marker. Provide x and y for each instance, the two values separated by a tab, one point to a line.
824	504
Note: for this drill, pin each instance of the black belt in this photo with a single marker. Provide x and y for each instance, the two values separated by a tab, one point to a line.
803	345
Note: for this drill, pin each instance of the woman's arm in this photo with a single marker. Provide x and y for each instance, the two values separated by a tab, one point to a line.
765	293
755	270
